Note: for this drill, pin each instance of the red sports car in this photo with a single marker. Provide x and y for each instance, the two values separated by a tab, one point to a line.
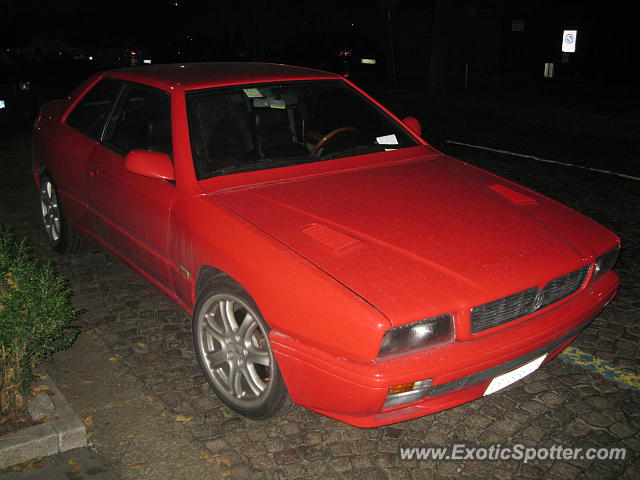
328	255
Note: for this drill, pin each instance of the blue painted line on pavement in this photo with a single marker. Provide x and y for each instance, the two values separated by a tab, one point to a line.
609	370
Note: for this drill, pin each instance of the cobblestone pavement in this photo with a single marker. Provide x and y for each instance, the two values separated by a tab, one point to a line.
558	404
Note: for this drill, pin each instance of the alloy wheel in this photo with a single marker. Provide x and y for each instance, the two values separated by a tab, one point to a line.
235	346
50	211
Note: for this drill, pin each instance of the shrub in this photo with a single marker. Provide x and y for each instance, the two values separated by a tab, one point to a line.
36	319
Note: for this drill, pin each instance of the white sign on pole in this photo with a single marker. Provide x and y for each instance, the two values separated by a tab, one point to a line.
569	41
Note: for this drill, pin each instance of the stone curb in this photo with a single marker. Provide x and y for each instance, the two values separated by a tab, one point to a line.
65	433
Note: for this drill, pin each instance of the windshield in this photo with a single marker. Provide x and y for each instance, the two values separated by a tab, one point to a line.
252	127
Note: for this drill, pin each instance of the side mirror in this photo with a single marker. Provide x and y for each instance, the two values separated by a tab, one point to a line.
150	164
414	125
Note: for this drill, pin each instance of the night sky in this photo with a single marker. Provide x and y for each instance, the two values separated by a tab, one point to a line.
424	39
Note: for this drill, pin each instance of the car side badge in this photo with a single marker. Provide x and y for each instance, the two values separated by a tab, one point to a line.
185	273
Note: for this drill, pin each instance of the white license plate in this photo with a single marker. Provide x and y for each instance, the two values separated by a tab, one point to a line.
508	378
368	61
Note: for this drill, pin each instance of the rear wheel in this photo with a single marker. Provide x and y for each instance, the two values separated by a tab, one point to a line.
232	345
61	236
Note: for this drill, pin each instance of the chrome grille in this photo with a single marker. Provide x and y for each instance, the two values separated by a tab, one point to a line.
564	286
527	301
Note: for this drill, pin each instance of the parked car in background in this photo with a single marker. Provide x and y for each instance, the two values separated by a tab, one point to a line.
327	254
355	56
17	97
119	52
58	47
55	63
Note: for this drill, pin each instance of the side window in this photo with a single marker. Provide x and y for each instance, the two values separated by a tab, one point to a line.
143	122
89	115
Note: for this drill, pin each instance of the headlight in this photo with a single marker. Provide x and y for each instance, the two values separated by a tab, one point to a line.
417	336
605	262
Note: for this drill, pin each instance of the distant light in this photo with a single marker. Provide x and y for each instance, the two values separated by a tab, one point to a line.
132	52
548	70
517	25
569	41
2	104
90	57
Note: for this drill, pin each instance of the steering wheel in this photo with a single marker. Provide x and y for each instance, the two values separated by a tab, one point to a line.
328	137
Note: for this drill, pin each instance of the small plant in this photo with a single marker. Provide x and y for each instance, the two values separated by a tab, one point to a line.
36	319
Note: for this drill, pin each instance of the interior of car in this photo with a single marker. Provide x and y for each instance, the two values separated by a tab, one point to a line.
245	128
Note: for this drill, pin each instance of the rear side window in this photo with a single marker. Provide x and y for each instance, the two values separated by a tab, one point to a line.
90	114
143	122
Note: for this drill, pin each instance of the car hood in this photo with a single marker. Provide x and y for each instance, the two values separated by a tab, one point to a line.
421	238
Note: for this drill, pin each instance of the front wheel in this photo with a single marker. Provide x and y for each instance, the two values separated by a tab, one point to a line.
232	345
60	235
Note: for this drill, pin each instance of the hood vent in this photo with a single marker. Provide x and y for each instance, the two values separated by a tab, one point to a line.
513	196
329	237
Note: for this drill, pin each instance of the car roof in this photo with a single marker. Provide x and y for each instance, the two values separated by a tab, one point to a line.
202	75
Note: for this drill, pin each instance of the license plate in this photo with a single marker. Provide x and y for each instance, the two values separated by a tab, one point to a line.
508	378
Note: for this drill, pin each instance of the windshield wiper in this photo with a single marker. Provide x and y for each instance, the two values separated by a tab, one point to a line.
266	163
261	164
356	150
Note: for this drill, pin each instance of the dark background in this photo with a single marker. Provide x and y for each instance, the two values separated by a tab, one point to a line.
434	45
576	138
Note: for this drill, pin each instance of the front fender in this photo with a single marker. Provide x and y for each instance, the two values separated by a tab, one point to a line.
296	298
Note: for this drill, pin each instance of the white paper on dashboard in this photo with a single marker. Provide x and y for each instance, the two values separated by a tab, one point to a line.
387	140
252	92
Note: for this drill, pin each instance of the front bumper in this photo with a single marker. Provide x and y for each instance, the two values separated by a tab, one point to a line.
355	392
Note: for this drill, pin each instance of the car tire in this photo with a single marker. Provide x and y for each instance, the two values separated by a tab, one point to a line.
232	345
60	234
